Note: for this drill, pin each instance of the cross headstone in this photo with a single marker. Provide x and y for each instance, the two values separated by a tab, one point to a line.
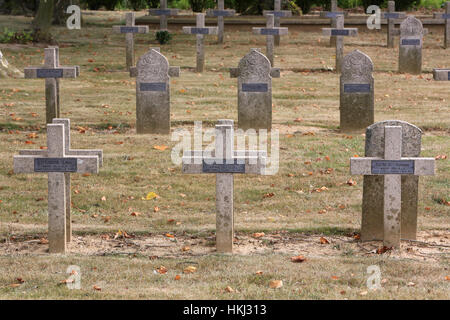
392	166
220	13
392	16
51	71
278	14
340	32
59	161
270	32
200	30
411	40
130	29
446	17
153	92
163	12
356	92
224	162
441	74
333	14
255	74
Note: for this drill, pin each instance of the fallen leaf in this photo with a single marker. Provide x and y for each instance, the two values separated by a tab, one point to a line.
14	285
186	248
168	235
43	241
160	148
298	259
97	288
335	277
103	198
351	182
136	214
258	234
259	272
276	284
324	240
229	289
162	270
190	269
151	195
411	284
177	277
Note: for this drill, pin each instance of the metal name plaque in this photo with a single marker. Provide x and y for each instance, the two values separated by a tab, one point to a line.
410	42
389	15
199	31
255	87
393	167
129	29
161	12
446	16
152	86
55	165
333	14
280	14
49	73
270	32
222	13
357	87
337	32
224	167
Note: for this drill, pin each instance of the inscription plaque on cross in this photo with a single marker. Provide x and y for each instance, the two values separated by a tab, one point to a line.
441	74
270	31
200	30
163	12
220	13
333	14
446	17
392	166
51	71
340	32
224	161
278	14
59	161
130	29
392	17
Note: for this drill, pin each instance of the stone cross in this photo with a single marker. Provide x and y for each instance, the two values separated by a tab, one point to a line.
153	92
333	14
392	166
278	13
163	12
340	32
225	162
200	30
59	161
445	16
51	71
130	29
270	32
373	186
356	92
255	74
411	40
392	17
441	74
220	13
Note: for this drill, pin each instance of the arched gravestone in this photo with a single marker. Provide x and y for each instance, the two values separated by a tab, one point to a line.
373	187
411	40
254	75
356	92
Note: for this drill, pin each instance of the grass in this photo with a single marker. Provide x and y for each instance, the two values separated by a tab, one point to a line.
102	100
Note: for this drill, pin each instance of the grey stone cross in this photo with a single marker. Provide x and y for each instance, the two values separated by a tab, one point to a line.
200	30
441	74
392	17
270	32
51	71
163	12
130	29
333	14
59	161
446	17
224	162
220	13
340	32
392	166
153	75
278	13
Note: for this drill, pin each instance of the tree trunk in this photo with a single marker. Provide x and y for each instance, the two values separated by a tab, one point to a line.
43	21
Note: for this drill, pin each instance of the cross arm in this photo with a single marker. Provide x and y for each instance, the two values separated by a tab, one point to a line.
130	29
444	16
422	166
72	152
281	13
85	164
351	32
252	165
220	13
203	30
59	72
393	15
271	31
163	12
330	15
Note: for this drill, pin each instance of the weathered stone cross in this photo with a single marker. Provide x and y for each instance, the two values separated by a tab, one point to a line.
340	32
270	31
278	13
130	29
220	13
446	17
333	14
392	166
163	12
200	30
441	74
59	161
224	162
51	71
391	17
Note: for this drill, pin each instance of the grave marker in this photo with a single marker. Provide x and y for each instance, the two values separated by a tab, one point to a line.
200	30
392	17
278	14
51	71
224	162
356	92
446	17
255	74
153	92
392	166
130	29
441	74
58	161
333	14
270	32
163	12
220	13
411	40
